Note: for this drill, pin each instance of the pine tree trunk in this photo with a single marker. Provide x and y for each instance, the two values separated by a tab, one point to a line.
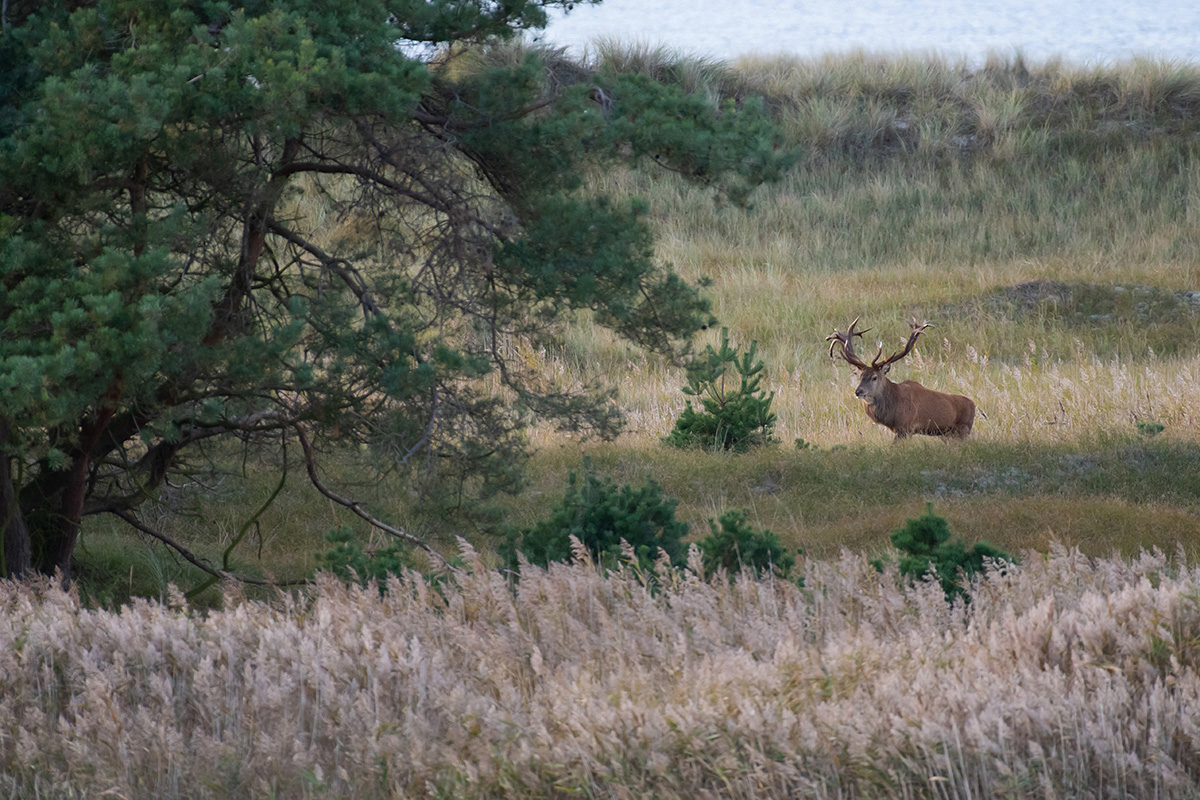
15	558
59	537
54	503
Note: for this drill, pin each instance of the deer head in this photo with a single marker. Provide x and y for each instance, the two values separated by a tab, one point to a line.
872	381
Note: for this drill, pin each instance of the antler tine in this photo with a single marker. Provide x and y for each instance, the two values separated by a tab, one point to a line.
846	340
917	329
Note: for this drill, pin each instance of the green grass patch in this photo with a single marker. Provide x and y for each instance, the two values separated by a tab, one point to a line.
854	496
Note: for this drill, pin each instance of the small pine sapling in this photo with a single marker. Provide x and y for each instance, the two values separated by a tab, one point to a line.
347	559
600	514
736	413
925	545
1149	427
734	543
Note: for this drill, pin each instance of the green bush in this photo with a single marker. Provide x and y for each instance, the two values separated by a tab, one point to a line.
925	545
601	514
351	563
1150	427
734	544
736	413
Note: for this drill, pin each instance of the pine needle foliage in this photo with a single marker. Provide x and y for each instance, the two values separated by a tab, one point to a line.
351	562
927	548
164	291
602	515
732	418
735	544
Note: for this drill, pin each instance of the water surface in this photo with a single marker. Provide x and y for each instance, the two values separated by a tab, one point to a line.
1079	31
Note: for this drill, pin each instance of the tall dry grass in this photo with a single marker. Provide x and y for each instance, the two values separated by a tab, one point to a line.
936	189
1064	677
1040	399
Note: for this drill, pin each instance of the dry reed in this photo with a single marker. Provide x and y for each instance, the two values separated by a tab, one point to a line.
1065	677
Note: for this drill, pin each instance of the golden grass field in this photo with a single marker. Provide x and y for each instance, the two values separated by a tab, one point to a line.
1044	220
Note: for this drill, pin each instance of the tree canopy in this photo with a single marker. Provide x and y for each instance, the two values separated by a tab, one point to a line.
163	286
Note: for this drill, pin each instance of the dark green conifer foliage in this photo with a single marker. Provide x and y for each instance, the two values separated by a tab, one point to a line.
163	290
925	545
734	543
601	514
736	412
349	561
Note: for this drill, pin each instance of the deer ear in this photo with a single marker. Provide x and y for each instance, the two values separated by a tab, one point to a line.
885	369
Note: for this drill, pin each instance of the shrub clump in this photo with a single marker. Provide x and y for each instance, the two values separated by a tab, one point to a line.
352	564
926	546
736	413
1150	427
734	543
601	514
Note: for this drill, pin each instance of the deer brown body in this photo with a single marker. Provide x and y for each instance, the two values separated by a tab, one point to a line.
905	408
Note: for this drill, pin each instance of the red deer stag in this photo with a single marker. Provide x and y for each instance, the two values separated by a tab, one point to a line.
906	408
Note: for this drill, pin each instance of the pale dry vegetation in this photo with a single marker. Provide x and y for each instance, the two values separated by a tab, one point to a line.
1064	677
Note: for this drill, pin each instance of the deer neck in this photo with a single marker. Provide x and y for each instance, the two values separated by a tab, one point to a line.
882	407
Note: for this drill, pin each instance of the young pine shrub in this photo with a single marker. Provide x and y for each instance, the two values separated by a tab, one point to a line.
1149	427
350	563
736	413
734	543
601	514
925	546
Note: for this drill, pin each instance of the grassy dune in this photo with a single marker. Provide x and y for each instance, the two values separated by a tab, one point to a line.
1045	218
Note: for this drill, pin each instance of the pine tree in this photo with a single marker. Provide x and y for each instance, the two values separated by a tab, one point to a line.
163	289
735	411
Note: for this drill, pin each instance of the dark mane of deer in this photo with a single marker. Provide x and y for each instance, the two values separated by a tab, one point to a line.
906	408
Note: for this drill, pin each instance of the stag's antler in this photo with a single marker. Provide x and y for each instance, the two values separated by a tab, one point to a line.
846	340
917	329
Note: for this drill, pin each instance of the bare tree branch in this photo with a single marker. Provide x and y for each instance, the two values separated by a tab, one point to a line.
338	266
195	560
158	459
310	460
